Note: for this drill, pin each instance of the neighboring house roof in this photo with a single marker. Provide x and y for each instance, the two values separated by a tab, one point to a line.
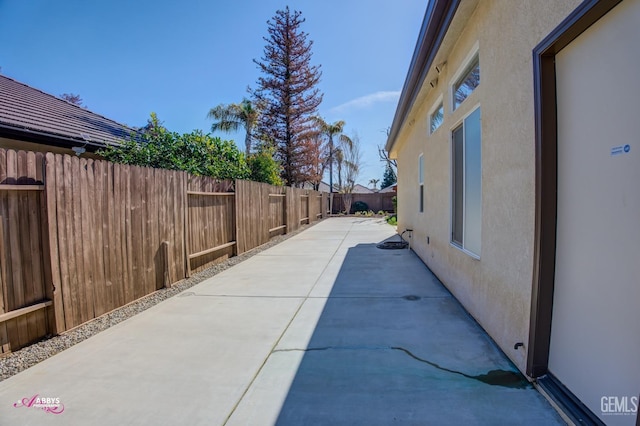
390	188
436	21
361	189
322	187
32	115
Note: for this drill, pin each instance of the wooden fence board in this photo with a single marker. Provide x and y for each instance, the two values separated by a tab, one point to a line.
35	287
293	209
113	201
62	183
14	293
165	182
2	268
151	245
85	295
102	300
50	281
126	175
264	219
158	230
5	345
54	290
87	211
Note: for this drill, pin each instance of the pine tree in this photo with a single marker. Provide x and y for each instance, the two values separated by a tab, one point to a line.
389	177
287	95
72	99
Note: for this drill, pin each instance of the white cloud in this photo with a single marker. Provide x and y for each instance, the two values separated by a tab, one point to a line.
367	101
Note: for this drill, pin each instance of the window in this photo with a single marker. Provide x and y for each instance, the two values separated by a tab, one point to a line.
436	117
467	83
421	183
466	185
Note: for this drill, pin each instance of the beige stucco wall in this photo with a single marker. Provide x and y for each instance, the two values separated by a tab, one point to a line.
496	289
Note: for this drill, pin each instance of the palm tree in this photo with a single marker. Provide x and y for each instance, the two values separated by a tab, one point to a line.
329	130
230	117
374	182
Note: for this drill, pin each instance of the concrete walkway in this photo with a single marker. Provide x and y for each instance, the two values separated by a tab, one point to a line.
322	329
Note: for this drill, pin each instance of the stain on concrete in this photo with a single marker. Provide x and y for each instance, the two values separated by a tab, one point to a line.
504	378
412	297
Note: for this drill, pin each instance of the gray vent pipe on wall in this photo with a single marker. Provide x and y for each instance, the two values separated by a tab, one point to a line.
410	231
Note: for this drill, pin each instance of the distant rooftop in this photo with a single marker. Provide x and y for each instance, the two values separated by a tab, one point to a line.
35	116
390	188
361	189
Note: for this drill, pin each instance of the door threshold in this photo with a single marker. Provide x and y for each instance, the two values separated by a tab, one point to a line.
570	408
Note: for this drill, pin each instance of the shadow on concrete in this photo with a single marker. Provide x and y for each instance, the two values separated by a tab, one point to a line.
392	346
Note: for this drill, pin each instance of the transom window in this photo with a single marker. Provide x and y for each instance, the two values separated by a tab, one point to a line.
467	83
436	117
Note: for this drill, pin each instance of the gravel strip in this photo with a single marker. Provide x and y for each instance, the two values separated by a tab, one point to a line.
31	355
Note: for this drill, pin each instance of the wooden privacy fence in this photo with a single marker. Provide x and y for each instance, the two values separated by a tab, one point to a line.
81	237
376	201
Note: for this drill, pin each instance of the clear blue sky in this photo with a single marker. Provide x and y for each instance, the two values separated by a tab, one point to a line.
179	59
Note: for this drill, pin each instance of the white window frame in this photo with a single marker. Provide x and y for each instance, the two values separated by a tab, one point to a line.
462	69
433	109
454	127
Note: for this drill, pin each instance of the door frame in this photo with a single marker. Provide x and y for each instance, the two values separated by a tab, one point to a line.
546	176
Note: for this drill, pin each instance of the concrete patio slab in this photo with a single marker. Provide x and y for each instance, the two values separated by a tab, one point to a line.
322	329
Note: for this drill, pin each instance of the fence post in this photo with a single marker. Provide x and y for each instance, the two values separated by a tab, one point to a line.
240	243
185	208
166	264
5	345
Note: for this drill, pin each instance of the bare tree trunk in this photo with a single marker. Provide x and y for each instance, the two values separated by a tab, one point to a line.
331	203
347	199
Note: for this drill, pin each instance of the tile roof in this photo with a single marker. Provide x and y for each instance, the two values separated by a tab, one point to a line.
29	112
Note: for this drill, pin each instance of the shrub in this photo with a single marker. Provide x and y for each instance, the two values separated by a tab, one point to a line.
360	206
392	220
264	168
380	213
196	153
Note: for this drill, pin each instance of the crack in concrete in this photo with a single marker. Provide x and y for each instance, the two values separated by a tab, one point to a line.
505	378
254	296
277	342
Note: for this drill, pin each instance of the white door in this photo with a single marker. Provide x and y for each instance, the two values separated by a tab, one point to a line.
595	332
